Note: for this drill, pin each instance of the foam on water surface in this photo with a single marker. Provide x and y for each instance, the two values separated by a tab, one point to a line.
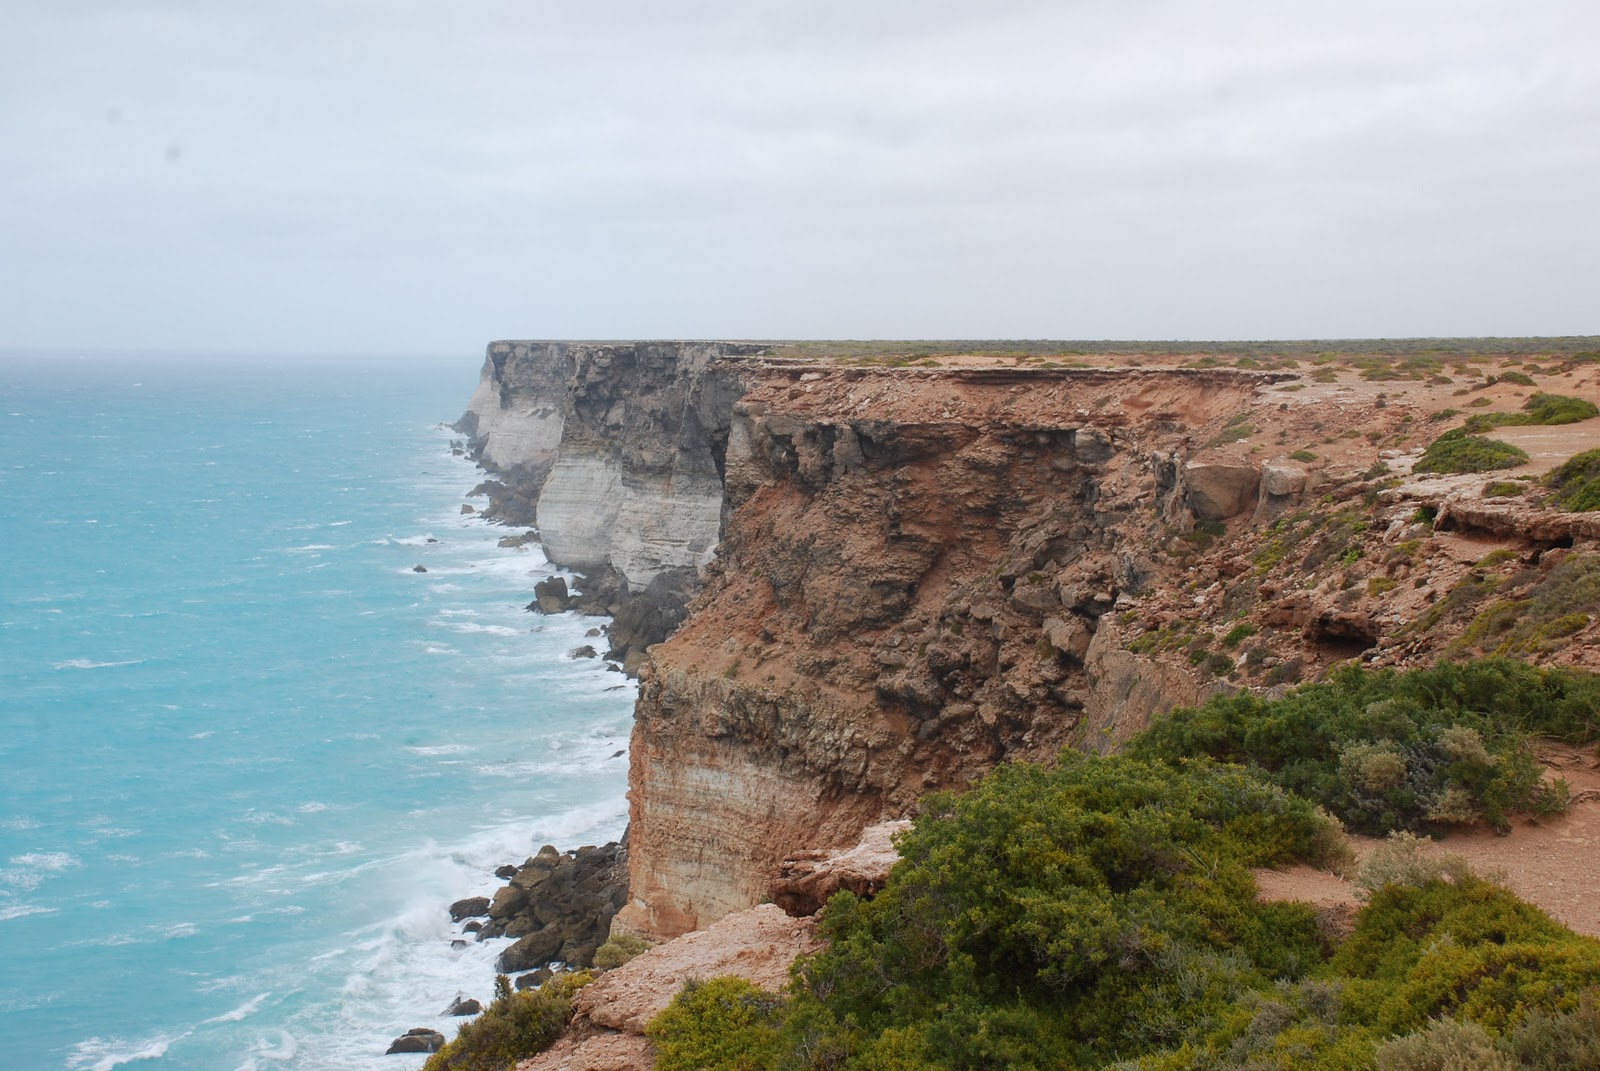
250	755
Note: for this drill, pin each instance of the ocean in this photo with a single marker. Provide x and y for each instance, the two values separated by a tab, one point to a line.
248	753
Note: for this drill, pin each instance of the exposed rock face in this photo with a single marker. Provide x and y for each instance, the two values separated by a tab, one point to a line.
925	572
615	452
617	448
908	591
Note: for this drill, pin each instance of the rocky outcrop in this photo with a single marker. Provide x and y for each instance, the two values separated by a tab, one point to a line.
607	1031
420	1039
805	880
558	906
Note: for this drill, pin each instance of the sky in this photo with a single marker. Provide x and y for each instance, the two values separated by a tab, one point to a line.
409	177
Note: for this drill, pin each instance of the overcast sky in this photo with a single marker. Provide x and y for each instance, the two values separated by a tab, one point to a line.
408	177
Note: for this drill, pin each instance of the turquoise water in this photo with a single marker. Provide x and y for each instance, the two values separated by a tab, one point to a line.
248	754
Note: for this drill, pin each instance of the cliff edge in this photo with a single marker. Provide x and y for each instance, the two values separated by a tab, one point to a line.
904	571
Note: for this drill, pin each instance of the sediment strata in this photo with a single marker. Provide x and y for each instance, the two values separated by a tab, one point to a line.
909	574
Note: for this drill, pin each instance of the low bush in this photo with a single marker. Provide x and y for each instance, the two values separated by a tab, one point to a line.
1542	408
1384	750
1576	483
513	1027
1539	615
619	949
1457	451
724	1024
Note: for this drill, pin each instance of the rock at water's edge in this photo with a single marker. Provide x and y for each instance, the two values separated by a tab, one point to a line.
420	1039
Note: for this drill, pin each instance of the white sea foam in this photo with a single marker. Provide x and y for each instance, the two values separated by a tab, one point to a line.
19	822
283	1049
46	860
312	807
472	627
17	911
103	1054
427	540
311	547
439	749
182	929
88	663
243	1011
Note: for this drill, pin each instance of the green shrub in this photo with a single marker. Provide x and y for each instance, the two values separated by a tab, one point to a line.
513	1027
1381	749
1238	634
1113	913
1521	379
1503	489
1577	482
1541	616
1558	409
618	949
1544	409
1303	455
1465	948
724	1024
1446	1045
1558	1041
1456	451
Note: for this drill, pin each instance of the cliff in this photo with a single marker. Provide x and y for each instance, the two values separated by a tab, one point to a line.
908	573
614	451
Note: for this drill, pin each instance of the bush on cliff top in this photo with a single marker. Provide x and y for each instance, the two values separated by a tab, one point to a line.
1100	915
1386	750
1053	917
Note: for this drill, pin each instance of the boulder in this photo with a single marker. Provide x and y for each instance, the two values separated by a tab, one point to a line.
1068	635
463	1006
550	596
467	508
421	1039
506	871
585	651
419	569
471	907
508	902
1217	491
534	979
534	950
1278	478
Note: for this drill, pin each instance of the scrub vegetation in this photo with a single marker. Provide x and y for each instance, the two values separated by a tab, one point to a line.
1101	913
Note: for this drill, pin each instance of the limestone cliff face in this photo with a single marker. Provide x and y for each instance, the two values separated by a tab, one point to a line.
614	450
925	571
910	588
